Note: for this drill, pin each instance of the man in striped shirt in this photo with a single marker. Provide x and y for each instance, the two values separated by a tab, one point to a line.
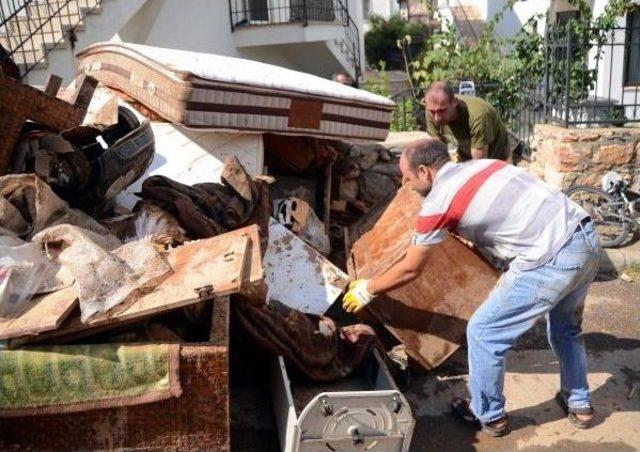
553	253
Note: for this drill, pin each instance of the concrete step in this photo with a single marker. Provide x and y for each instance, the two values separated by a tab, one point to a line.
468	21
80	8
41	27
82	3
48	39
26	25
29	58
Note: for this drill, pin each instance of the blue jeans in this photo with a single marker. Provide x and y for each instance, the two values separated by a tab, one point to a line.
557	290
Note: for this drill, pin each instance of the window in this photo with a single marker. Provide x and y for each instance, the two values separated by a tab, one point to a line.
562	17
632	49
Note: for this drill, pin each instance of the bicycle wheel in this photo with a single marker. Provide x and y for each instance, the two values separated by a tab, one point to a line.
606	212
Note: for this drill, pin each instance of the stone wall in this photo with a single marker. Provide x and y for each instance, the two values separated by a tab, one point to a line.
566	157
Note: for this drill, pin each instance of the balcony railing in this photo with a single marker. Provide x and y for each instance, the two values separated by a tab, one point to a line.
245	13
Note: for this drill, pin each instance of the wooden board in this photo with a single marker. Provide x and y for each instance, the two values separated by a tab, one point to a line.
19	102
220	321
47	313
204	269
429	314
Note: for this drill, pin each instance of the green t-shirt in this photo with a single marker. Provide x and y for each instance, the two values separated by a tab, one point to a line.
478	125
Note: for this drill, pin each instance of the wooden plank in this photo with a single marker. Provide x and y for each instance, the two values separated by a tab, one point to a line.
203	269
47	313
339	205
327	197
200	272
429	314
52	85
253	284
20	102
220	321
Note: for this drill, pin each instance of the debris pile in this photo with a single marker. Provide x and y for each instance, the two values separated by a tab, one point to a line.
119	224
88	262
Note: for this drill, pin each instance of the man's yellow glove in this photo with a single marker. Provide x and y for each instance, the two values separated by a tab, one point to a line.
357	297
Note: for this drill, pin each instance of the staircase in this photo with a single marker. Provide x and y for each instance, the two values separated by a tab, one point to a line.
30	29
469	22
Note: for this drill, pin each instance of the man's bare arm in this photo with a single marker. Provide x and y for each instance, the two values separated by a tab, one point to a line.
480	153
403	272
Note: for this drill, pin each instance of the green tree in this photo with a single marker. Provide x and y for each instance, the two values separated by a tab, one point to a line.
380	41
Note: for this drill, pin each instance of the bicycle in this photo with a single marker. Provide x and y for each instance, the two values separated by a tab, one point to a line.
614	209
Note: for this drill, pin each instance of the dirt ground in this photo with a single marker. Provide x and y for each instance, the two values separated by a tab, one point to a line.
612	335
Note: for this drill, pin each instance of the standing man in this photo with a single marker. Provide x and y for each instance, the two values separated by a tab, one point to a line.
553	253
469	121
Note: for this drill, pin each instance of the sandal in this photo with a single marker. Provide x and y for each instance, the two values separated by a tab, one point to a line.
573	413
461	410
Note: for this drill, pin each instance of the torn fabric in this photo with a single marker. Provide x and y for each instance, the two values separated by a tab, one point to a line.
107	282
313	344
28	206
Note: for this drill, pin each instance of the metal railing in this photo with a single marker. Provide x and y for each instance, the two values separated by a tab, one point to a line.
244	13
29	29
592	76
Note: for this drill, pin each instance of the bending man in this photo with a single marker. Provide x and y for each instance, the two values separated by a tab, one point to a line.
469	121
553	253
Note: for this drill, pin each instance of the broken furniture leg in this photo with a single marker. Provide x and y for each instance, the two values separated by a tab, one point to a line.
19	103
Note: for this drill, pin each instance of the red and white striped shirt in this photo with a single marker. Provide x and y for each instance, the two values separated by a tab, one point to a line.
500	208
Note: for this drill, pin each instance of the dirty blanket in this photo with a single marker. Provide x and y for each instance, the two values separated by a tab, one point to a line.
64	379
208	209
313	344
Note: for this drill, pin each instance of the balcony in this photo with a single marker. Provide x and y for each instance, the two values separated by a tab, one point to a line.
273	12
257	23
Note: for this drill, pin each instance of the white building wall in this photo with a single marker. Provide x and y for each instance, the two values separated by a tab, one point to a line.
384	8
204	26
513	20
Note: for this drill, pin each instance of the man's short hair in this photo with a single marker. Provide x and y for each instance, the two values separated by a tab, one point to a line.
341	74
429	152
442	87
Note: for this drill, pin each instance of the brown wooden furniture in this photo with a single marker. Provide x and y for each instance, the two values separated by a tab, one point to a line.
429	315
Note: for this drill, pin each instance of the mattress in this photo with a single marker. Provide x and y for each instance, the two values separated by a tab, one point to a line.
216	92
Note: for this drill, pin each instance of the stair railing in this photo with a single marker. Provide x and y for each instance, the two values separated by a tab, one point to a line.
30	29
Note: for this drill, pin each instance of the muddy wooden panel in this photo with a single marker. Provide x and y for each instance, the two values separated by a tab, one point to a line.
47	312
203	269
430	314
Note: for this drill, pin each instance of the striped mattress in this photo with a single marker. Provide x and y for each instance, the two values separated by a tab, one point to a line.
216	92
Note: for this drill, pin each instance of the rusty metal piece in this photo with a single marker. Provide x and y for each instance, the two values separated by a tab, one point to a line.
429	314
